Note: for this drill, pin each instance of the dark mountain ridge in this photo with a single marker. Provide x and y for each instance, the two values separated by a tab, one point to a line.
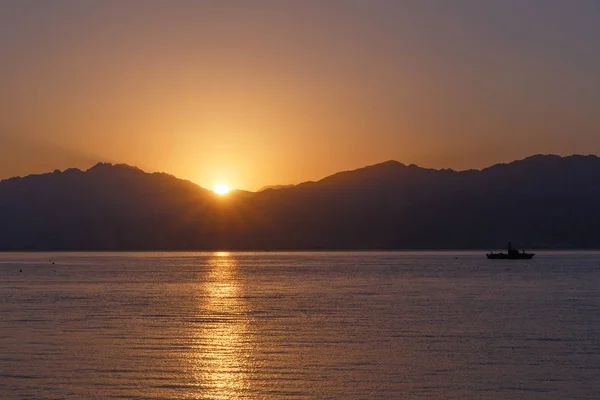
543	201
274	187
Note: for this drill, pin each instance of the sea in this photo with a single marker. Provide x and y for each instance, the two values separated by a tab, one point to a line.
269	325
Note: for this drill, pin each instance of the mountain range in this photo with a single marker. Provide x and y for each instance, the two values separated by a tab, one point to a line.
543	201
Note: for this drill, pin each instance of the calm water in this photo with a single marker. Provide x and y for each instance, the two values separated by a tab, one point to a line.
299	326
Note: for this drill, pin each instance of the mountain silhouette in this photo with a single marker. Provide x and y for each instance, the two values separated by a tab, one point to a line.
543	201
274	187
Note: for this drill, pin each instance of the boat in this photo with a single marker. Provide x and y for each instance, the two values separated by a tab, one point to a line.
512	254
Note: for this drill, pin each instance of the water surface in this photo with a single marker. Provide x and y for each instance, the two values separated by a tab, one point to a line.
449	325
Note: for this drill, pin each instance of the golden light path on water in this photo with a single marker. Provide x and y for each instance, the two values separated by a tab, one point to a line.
222	342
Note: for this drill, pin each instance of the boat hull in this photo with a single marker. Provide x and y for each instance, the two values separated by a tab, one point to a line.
504	256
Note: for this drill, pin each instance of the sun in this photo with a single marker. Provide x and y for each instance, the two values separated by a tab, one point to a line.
221	189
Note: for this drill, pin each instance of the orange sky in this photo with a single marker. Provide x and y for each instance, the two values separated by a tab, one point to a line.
270	92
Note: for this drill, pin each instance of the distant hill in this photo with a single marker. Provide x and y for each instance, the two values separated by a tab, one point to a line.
274	187
543	201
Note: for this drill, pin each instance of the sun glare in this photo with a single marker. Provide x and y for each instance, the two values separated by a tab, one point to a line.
221	188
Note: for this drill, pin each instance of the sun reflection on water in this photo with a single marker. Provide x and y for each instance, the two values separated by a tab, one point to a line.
221	360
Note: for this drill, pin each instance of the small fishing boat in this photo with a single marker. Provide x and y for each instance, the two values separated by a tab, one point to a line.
513	254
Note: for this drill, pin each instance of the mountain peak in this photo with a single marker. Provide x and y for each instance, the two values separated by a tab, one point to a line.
100	165
106	166
390	163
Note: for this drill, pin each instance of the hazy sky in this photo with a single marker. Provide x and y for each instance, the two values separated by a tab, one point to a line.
266	92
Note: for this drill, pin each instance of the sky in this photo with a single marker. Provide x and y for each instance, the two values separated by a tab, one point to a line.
254	93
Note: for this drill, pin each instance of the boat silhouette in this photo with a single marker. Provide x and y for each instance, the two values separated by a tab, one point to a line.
512	254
